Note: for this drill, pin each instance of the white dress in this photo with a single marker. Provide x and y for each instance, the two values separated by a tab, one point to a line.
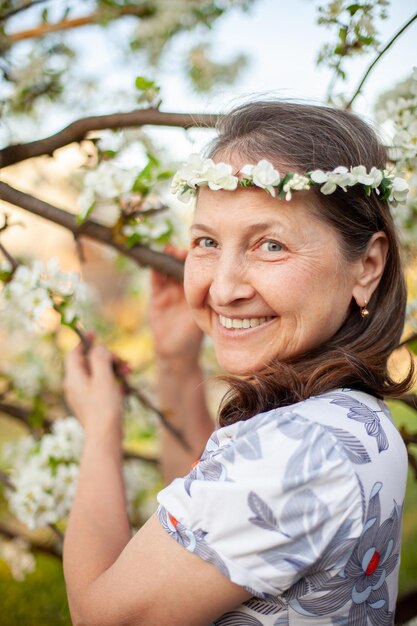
302	506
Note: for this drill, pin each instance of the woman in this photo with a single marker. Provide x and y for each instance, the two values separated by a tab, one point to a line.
293	513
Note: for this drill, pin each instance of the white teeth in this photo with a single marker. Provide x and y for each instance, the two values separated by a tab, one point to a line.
247	322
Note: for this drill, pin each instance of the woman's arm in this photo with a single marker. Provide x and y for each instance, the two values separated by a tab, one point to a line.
113	580
181	393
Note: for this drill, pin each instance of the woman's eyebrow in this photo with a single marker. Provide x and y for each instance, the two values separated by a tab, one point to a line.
203	227
251	228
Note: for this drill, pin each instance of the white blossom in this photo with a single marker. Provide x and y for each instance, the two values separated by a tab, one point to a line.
111	141
372	179
218	176
297	182
141	484
339	177
149	230
263	175
399	190
5	265
18	557
101	187
202	172
44	474
109	180
29	360
36	289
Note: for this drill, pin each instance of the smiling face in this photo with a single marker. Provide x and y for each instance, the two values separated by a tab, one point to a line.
264	277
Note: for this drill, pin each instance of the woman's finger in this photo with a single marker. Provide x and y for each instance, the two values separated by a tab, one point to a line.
178	253
76	360
101	364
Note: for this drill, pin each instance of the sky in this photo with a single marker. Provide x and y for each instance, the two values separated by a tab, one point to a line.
281	39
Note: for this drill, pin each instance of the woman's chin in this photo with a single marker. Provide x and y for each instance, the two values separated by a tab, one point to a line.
239	367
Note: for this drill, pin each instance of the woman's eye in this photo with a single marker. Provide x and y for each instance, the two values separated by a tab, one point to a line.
206	242
271	246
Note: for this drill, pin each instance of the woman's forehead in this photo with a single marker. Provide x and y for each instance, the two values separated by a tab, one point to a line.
253	209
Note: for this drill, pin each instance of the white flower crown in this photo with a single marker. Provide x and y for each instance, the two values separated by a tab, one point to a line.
199	172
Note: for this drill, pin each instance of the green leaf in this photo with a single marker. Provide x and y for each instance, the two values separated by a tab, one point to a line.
412	346
353	8
5	275
143	84
343	33
166	175
81	218
38	412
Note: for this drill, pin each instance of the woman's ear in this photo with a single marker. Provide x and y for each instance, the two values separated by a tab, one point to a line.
370	268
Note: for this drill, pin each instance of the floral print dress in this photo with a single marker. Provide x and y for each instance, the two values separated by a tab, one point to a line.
302	506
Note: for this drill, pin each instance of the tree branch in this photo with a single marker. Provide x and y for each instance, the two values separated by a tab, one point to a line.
22	415
100	16
143	255
412	461
13	12
52	550
377	58
407	340
78	130
148	405
6	480
129	455
410	399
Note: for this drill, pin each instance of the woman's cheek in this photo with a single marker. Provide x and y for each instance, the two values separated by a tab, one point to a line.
193	282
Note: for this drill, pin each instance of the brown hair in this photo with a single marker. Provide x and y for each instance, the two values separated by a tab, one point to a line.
306	137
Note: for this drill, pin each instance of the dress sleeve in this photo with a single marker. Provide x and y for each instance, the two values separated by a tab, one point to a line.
270	500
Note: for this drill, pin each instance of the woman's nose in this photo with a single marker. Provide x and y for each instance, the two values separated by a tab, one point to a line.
229	282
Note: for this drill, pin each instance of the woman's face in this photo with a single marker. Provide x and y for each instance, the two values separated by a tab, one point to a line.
264	277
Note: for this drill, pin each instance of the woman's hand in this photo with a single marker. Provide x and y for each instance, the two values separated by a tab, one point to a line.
93	392
177	337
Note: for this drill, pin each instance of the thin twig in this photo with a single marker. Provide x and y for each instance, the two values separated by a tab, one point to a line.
409	438
23	416
129	455
412	461
164	263
15	264
58	534
148	405
13	12
44	29
6	480
133	391
377	58
408	340
52	550
410	399
78	130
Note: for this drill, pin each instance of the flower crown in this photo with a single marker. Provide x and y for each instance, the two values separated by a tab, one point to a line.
199	172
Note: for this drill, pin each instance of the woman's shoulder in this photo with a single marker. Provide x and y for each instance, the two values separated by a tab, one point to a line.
351	423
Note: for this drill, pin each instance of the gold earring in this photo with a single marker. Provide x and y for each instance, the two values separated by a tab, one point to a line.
364	310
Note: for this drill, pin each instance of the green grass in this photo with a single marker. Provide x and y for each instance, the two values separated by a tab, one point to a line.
403	415
38	601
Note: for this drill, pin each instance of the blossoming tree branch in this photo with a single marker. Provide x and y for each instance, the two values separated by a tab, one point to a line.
128	209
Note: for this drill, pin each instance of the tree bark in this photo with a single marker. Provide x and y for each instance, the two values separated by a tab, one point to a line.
143	255
94	18
77	131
